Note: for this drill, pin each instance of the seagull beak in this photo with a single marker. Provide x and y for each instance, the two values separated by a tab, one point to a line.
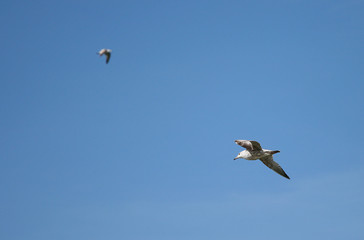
235	158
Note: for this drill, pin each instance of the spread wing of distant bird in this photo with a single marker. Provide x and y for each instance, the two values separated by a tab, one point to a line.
269	162
249	145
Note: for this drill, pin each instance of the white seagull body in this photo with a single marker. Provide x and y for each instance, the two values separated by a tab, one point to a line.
254	152
106	52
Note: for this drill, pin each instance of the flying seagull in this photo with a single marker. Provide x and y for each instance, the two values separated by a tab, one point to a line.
107	53
254	151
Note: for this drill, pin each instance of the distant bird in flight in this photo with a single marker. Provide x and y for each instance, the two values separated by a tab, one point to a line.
106	52
254	151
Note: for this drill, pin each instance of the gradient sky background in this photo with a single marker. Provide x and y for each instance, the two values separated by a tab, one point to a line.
143	148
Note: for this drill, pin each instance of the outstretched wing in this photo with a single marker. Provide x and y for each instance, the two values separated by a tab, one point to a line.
250	145
269	162
102	51
108	55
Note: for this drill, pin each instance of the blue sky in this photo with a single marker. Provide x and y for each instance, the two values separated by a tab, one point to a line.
143	147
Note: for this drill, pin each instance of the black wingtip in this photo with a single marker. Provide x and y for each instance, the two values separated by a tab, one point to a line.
284	174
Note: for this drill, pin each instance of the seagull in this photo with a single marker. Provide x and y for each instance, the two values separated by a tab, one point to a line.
254	151
107	53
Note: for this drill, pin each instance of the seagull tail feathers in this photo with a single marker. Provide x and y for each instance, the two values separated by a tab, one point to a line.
274	152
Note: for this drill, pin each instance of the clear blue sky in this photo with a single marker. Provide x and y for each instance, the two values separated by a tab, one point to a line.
143	147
